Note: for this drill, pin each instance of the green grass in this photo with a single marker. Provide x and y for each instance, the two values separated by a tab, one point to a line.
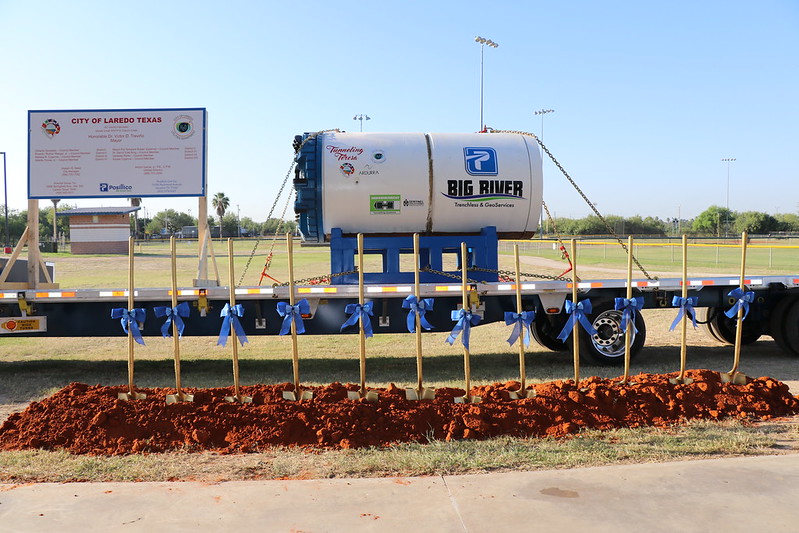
31	368
592	448
767	257
152	261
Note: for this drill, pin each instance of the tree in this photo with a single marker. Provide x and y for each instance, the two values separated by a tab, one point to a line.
17	221
787	222
272	225
170	220
712	220
135	202
220	203
755	222
230	225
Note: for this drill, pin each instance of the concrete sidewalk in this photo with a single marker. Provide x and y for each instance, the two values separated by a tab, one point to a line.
730	495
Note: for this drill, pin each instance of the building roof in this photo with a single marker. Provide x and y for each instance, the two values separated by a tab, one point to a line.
98	211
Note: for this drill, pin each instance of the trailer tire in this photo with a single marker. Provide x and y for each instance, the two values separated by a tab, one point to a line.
790	327
607	346
703	315
724	328
545	332
778	324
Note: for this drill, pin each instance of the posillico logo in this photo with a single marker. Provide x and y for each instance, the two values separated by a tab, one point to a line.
480	161
104	187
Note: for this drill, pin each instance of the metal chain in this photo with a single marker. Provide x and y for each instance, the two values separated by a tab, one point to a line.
258	240
577	188
317	279
450	275
512	274
298	148
562	248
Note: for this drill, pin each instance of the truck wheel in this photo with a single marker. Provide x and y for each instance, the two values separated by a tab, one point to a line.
790	327
607	346
704	315
546	330
779	321
724	327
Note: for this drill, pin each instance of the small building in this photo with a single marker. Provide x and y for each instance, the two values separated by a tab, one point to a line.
99	230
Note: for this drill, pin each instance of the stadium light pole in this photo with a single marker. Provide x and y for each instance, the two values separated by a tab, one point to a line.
361	118
483	43
543	112
727	160
5	188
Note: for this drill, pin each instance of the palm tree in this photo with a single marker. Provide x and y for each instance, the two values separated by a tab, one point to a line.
220	203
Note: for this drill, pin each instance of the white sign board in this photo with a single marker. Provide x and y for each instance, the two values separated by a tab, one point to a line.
126	153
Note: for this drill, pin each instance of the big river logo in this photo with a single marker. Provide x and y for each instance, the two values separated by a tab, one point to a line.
104	187
485	191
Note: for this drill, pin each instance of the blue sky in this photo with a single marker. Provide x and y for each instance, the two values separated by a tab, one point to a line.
648	97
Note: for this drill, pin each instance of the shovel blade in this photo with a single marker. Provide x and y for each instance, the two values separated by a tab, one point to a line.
289	395
371	396
241	399
736	378
468	399
175	398
353	395
411	394
306	395
131	396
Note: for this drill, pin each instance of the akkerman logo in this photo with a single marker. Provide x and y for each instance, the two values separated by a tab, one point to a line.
480	161
104	187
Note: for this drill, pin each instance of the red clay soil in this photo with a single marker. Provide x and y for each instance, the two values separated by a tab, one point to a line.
85	419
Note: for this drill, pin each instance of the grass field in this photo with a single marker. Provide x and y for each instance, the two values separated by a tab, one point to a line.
31	368
596	258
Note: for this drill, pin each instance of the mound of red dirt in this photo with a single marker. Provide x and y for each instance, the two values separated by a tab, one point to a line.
85	419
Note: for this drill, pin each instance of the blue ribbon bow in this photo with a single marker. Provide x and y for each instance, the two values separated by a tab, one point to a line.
577	314
173	313
628	307
743	300
359	311
465	322
417	307
686	306
231	315
131	317
520	321
293	312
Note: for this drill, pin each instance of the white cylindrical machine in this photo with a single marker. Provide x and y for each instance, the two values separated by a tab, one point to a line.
429	183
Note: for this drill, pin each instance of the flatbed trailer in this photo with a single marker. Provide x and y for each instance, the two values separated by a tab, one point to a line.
87	312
